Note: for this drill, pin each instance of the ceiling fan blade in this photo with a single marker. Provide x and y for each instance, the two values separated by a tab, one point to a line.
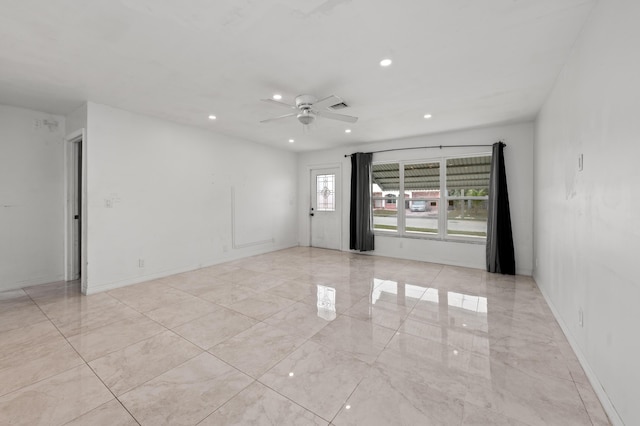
327	102
282	104
293	114
334	116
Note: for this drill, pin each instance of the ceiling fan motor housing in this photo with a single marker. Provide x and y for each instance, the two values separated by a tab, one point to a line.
305	101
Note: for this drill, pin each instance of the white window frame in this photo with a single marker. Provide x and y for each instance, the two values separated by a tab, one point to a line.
443	202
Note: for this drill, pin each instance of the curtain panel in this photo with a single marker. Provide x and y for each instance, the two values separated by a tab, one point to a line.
500	251
360	221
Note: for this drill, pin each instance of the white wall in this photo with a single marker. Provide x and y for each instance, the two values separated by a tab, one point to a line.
31	198
587	237
76	120
162	192
519	164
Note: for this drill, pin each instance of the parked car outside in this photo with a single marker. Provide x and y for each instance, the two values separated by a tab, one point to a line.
418	206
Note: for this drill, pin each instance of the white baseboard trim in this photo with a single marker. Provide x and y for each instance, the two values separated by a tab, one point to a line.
525	272
31	281
608	406
92	289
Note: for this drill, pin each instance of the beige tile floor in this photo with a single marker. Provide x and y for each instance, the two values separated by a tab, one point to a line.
299	336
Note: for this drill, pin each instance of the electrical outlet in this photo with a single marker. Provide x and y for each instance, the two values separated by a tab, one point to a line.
140	263
580	318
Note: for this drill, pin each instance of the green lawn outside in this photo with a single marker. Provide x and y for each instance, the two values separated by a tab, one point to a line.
431	230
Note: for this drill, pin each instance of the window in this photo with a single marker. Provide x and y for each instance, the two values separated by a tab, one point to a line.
422	187
468	194
384	193
326	193
407	198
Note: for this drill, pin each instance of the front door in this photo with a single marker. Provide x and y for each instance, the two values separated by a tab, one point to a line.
325	210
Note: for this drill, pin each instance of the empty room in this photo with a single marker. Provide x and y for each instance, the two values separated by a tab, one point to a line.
321	212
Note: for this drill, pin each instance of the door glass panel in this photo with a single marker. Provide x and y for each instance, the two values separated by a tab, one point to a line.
326	193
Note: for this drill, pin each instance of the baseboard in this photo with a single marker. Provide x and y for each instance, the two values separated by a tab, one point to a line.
32	281
525	272
608	406
92	289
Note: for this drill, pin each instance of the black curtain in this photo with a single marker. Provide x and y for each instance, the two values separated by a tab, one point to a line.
500	253
361	222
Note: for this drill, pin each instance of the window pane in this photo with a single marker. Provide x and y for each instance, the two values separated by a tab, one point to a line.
385	185
421	191
422	217
385	216
326	193
467	218
468	176
422	180
385	180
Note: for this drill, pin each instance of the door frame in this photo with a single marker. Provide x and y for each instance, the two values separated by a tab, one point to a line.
310	169
70	191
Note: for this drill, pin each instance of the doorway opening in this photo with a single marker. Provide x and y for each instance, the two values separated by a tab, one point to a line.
74	210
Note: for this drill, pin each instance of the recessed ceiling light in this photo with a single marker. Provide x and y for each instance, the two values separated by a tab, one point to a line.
427	116
291	141
385	62
348	131
277	97
212	117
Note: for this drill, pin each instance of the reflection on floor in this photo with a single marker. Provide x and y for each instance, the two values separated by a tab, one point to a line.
300	336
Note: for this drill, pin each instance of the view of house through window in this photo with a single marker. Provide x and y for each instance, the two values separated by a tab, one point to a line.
443	198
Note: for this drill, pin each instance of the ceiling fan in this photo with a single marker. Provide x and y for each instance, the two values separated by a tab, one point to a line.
308	107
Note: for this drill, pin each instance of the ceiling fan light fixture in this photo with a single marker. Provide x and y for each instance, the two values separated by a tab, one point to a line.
306	117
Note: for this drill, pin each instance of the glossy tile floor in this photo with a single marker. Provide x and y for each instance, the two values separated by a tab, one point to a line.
300	336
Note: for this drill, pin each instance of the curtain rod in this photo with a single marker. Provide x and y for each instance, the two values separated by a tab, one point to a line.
422	147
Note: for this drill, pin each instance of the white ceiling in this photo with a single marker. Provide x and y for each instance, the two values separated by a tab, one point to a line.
468	62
